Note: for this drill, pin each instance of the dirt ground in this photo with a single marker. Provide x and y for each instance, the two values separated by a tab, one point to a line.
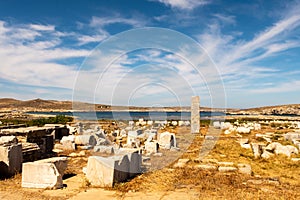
276	178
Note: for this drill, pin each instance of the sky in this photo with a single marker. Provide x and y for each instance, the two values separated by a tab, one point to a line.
234	54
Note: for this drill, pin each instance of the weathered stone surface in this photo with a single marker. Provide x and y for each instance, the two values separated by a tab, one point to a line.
256	149
104	172
206	167
278	148
291	135
7	140
68	145
195	115
45	173
266	154
287	150
245	169
10	159
85	140
227	169
167	140
70	138
151	147
104	149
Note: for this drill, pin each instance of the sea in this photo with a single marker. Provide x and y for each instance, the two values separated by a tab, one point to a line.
132	115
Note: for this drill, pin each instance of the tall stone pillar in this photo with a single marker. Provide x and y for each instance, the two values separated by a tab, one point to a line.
195	114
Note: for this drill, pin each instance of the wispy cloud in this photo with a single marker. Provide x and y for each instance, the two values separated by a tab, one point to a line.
39	27
238	59
184	4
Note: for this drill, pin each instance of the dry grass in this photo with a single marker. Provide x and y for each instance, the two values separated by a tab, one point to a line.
215	185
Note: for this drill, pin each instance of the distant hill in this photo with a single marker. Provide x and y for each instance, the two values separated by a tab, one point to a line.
40	105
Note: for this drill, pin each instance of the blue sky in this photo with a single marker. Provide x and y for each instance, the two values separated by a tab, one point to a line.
254	45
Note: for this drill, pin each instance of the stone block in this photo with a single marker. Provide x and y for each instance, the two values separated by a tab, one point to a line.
85	140
104	172
167	140
11	159
46	173
104	149
151	147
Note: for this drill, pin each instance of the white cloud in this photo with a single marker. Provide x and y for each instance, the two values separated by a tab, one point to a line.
27	60
39	27
104	21
184	4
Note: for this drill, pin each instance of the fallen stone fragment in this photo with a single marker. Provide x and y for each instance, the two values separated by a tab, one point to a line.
227	169
266	154
245	169
206	167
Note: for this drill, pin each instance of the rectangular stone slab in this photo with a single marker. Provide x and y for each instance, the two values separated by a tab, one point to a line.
46	174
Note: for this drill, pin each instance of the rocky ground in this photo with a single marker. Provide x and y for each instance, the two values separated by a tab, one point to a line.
185	175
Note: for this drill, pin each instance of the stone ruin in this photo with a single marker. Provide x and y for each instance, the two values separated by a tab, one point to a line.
117	154
10	156
45	174
106	171
195	115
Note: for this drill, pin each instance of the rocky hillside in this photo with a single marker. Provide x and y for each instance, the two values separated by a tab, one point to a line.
291	109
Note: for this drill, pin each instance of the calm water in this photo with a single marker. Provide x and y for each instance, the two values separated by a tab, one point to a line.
132	115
